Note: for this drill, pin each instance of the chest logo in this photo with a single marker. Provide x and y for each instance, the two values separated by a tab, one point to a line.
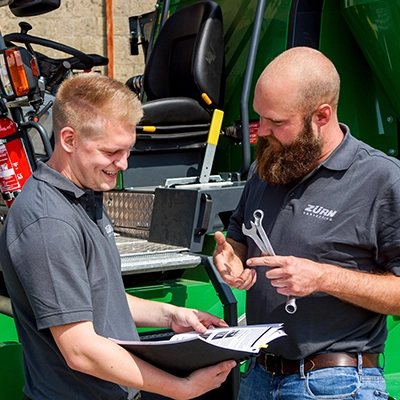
109	229
320	212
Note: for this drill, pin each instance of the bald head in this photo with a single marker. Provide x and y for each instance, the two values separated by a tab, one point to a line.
305	73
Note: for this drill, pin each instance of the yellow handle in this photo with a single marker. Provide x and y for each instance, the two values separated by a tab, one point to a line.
205	97
149	129
215	127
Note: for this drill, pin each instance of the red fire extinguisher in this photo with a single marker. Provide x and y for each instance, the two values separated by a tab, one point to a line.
14	164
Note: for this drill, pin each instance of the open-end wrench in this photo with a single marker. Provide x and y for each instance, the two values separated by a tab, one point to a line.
258	217
252	233
260	238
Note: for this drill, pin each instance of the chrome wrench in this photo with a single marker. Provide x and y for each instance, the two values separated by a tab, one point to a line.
260	238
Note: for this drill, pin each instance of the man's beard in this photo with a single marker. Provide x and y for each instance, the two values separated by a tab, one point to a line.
290	163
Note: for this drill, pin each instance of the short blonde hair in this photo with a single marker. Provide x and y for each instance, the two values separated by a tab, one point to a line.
85	101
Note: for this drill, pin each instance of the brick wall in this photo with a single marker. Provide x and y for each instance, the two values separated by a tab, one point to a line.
82	24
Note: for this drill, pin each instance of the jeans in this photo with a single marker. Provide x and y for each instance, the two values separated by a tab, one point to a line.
338	383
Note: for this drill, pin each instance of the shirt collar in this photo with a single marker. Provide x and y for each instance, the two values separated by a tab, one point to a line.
47	174
343	156
90	200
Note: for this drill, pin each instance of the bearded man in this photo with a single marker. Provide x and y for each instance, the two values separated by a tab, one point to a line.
331	209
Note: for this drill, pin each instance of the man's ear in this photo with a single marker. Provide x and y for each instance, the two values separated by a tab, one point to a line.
68	139
323	115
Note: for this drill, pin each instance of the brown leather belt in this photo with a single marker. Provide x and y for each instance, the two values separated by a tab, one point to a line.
279	365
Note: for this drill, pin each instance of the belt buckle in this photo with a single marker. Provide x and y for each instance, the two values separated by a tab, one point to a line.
276	364
275	358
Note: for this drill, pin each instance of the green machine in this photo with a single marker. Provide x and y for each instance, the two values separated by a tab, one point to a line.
184	179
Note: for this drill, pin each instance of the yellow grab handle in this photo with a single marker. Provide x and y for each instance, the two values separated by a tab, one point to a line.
149	128
215	127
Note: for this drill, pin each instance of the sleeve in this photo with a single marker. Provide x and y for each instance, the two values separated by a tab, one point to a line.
387	235
235	225
52	270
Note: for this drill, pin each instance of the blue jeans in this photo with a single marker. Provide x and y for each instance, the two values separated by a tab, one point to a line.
339	383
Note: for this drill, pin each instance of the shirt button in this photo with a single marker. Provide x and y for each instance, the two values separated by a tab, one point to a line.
291	194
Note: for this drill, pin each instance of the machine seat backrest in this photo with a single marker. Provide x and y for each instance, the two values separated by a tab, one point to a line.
188	56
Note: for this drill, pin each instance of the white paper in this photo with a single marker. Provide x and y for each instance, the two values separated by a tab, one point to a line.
246	338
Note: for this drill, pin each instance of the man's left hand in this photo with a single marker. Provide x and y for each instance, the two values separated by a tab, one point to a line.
188	319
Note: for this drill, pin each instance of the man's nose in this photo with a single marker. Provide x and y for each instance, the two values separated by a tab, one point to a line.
265	129
122	161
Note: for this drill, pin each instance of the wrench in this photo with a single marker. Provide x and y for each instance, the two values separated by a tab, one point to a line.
258	217
260	238
252	233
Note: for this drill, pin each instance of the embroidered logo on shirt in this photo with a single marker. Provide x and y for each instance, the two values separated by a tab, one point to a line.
319	212
109	229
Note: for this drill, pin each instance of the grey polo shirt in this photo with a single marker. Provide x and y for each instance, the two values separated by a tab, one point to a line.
346	213
61	265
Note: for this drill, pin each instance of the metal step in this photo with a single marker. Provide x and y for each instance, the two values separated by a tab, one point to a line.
140	256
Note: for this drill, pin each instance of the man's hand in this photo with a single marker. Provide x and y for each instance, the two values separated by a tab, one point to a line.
291	275
148	313
187	319
206	379
230	265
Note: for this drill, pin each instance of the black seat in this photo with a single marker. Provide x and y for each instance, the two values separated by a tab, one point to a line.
183	79
183	83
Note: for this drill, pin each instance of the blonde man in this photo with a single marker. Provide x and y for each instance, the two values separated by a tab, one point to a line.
62	266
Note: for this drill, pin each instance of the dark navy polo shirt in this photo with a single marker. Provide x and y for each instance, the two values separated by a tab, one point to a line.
61	265
347	213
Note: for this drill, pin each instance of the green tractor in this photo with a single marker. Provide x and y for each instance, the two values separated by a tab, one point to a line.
196	144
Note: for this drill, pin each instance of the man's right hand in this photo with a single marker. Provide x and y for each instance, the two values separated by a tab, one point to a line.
229	258
206	379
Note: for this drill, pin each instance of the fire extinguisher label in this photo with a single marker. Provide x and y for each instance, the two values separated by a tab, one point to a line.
9	181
